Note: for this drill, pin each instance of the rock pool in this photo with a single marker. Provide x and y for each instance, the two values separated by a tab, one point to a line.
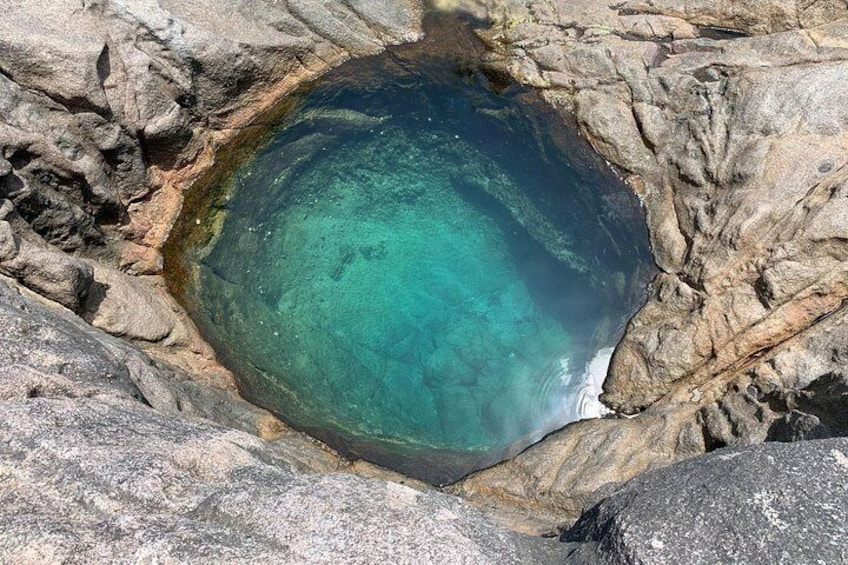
421	267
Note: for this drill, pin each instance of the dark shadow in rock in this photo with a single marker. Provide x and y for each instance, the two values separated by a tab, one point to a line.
96	296
720	33
827	399
797	426
817	411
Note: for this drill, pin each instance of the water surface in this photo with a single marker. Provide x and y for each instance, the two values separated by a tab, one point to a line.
418	270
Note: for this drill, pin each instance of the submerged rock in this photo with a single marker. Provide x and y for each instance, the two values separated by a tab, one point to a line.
742	183
417	293
742	186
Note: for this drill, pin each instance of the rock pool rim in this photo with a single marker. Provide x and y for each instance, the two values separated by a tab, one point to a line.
450	40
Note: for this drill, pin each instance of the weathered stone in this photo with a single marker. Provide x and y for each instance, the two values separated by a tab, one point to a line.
9	245
658	27
747	16
43	349
128	307
736	419
816	411
740	179
106	479
49	272
826	398
91	95
798	426
549	483
48	352
774	503
735	145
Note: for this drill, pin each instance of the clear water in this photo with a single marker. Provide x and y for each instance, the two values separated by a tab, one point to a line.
415	271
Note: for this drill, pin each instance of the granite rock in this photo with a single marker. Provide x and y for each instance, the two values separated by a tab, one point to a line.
47	352
47	271
110	456
105	479
727	118
108	105
741	181
793	393
773	503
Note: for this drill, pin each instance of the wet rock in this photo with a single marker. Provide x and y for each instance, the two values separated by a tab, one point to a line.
773	503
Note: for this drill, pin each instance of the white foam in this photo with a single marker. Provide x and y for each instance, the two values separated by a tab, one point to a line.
594	377
584	403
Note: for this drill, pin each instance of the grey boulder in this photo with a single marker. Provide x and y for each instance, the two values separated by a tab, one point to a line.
771	504
106	479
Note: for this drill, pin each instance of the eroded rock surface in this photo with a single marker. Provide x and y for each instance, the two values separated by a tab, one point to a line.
774	503
91	473
104	479
47	352
737	149
729	118
109	109
107	106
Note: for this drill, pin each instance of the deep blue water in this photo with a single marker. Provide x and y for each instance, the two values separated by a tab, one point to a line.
420	271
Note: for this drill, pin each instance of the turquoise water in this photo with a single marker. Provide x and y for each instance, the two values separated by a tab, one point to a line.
414	270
